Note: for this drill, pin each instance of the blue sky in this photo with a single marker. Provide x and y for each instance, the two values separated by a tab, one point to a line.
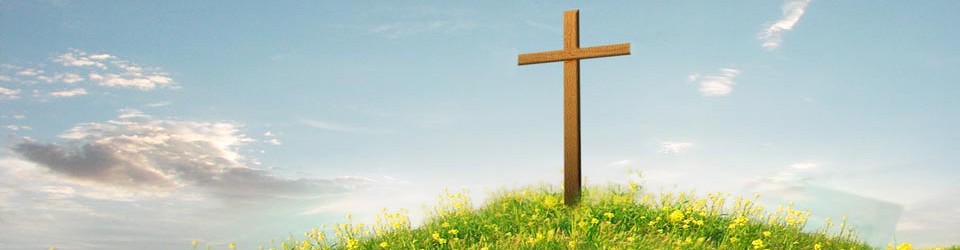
148	125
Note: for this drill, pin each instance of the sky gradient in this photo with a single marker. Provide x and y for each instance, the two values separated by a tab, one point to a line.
147	125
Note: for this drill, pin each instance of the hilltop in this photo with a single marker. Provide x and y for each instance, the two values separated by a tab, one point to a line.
611	217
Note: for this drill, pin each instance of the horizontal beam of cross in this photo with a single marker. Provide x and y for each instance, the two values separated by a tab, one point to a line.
574	54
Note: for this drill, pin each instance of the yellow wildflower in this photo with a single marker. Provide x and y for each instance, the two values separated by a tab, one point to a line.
766	233
384	244
233	246
676	216
757	244
905	246
352	243
550	201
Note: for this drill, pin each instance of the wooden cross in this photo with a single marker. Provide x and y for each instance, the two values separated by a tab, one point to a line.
571	55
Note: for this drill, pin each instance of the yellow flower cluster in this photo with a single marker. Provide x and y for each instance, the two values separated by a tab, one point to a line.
621	218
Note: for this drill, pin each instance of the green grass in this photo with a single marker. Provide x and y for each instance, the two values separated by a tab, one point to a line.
613	217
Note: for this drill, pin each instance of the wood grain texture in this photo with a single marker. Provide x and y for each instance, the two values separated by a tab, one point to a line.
571	29
574	54
571	56
571	110
571	132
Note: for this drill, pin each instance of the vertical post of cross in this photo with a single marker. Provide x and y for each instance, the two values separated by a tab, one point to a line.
571	110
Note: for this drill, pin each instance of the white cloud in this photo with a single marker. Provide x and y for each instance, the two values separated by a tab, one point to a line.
772	37
30	72
58	192
33	197
421	20
273	142
269	134
18	127
671	147
68	77
131	113
342	128
101	57
159	104
79	58
133	80
141	154
101	69
9	94
623	162
719	84
399	29
69	93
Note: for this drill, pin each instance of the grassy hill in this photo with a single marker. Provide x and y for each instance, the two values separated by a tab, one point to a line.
608	218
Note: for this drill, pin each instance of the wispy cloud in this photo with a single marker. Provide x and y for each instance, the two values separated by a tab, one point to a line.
421	20
18	127
29	72
772	37
79	58
68	78
623	162
102	69
69	93
406	28
159	104
330	126
273	141
132	79
142	154
9	94
191	211
719	84
795	172
13	117
672	147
